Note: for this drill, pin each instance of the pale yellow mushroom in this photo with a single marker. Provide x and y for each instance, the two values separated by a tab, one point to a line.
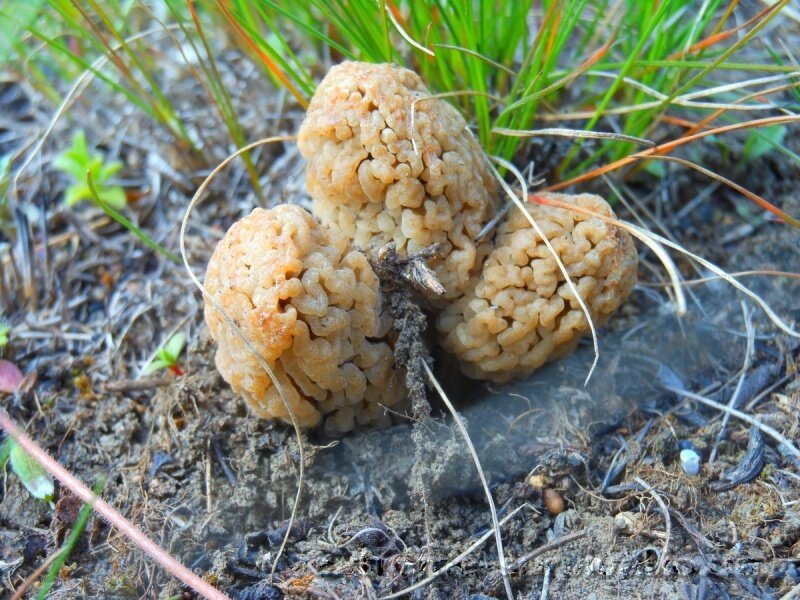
522	313
311	306
368	180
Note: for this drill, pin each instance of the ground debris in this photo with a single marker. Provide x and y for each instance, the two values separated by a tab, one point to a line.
749	467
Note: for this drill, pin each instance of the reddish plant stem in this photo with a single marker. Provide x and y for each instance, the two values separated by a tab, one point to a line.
109	513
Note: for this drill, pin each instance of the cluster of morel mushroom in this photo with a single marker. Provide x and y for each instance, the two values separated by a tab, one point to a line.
307	298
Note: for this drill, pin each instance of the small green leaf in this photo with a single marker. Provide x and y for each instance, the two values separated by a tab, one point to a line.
155	365
5	449
69	165
76	193
5	329
76	161
115	197
761	141
108	170
174	346
33	476
79	143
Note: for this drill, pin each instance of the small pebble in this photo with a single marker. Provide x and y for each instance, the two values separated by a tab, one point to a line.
690	461
553	502
537	482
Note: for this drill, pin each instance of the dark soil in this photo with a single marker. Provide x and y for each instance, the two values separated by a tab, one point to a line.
381	510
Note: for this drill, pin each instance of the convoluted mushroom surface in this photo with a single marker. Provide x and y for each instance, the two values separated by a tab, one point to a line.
311	307
522	313
369	182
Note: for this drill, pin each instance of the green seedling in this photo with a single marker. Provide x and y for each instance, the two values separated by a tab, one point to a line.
5	171
167	356
32	475
5	330
76	161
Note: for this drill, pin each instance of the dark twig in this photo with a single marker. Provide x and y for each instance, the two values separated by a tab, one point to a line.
226	468
667	521
543	549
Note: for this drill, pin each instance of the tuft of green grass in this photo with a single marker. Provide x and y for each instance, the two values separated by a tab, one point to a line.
76	161
633	60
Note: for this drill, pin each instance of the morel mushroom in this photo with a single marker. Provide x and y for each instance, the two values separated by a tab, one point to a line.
368	181
311	307
522	313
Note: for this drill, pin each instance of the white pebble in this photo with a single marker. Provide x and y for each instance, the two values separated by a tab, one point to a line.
690	461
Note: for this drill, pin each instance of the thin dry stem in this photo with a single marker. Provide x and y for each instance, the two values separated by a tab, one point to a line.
770	431
776	320
474	546
498	535
519	202
234	327
667	521
404	34
573	133
748	356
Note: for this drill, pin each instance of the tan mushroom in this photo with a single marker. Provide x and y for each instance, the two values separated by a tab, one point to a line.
522	313
311	306
368	181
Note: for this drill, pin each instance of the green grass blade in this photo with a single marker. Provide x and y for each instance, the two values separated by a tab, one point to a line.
148	241
74	535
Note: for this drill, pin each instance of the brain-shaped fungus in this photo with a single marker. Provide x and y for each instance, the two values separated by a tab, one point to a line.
311	307
367	180
522	313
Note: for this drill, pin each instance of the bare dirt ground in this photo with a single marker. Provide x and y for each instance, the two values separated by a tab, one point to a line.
184	460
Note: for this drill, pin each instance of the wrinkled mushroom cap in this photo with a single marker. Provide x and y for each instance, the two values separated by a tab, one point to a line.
522	313
367	181
311	307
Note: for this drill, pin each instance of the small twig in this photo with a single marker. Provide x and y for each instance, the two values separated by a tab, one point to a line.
135	385
573	133
330	526
109	513
209	500
667	521
545	584
556	543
